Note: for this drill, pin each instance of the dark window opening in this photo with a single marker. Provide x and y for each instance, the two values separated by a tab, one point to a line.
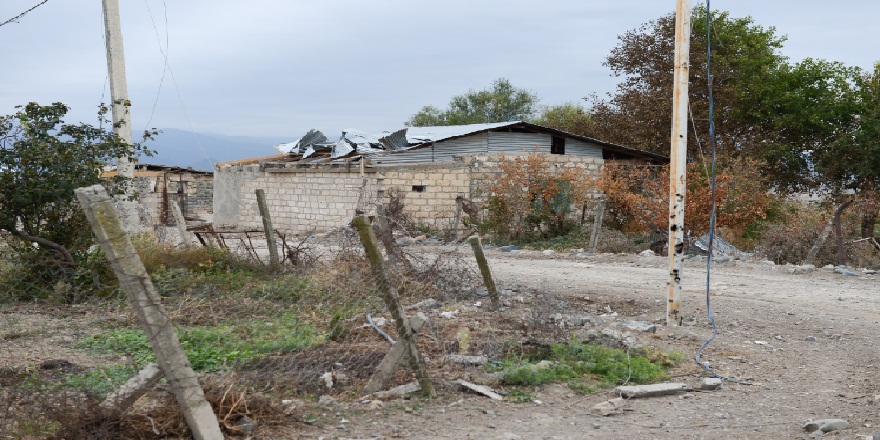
557	145
419	188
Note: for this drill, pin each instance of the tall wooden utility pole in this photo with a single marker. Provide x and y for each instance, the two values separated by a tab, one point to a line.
120	105
678	158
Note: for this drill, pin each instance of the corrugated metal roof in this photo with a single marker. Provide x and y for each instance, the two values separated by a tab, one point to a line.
357	143
418	135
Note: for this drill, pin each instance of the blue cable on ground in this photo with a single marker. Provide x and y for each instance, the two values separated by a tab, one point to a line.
710	250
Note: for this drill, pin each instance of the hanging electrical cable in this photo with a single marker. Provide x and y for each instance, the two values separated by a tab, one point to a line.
710	249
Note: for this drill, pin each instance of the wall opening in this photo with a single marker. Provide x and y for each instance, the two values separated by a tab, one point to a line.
419	188
557	145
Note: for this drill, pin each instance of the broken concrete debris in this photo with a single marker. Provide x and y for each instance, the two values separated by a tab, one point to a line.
653	390
641	326
826	425
608	407
134	388
710	383
481	389
467	360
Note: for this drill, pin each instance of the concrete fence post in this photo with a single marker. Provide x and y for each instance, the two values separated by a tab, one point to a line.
389	294
477	246
99	209
267	227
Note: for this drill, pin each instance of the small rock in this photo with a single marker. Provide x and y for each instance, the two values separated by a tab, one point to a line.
647	253
721	259
326	400
408	409
375	405
767	263
548	252
686	396
802	269
609	407
710	383
826	425
810	339
508	248
641	326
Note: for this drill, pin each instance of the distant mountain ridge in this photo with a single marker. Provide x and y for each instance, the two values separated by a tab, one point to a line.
201	151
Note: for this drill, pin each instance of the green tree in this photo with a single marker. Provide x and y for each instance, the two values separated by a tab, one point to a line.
568	117
42	160
500	103
746	65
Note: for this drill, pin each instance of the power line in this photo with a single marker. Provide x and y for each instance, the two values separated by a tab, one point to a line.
23	13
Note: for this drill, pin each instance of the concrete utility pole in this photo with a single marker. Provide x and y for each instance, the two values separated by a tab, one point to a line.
118	86
120	104
678	158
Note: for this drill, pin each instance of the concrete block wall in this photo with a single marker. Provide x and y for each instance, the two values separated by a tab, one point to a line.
429	190
299	200
325	197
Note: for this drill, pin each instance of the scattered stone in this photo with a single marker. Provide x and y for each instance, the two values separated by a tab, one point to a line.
427	304
641	326
710	383
481	389
647	253
375	405
686	396
721	259
802	269
408	409
508	248
653	390
810	339
846	271
548	252
826	425
609	407
467	360
828	267
767	263
326	400
328	379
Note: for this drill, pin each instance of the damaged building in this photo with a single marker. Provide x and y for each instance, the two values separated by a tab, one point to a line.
318	184
158	186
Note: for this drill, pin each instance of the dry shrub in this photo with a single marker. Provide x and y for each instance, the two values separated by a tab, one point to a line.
639	196
157	415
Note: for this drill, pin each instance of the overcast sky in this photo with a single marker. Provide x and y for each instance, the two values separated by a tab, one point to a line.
278	68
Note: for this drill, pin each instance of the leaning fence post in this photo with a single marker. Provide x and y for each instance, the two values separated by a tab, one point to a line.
180	221
389	293
267	227
477	246
98	207
597	225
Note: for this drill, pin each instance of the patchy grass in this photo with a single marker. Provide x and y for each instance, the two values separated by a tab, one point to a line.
99	381
215	348
585	368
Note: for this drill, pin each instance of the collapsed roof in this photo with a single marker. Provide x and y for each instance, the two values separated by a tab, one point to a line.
353	145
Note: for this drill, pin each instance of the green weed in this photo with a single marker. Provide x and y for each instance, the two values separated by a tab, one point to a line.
585	368
213	348
100	381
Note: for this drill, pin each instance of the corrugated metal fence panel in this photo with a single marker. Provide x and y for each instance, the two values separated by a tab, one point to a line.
513	142
444	151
